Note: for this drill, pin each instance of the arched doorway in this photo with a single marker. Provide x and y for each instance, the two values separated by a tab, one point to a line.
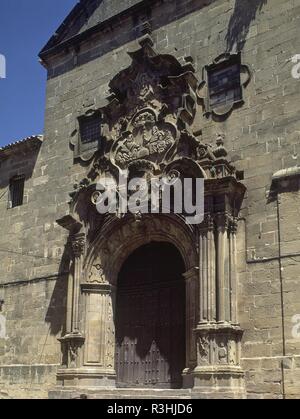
150	318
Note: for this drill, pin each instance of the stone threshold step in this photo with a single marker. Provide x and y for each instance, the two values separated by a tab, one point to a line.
117	394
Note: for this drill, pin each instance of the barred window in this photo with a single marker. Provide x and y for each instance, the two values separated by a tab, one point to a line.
16	191
224	85
90	129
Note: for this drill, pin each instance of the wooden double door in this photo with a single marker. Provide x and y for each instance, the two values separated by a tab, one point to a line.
150	319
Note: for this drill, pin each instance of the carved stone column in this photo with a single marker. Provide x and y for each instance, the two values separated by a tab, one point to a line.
207	272
72	343
78	246
223	274
218	336
192	304
233	272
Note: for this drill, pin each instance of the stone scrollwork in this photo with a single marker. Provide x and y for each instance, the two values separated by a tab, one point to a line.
96	197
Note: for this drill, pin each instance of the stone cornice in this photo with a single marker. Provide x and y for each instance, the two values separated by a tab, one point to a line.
23	146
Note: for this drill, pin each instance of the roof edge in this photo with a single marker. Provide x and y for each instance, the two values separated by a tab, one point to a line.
52	48
27	144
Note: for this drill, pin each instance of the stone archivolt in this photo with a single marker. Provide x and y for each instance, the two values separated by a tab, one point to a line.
148	130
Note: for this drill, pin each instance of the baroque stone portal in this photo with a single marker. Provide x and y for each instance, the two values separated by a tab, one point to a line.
148	130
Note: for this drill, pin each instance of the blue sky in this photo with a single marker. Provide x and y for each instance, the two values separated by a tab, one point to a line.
25	27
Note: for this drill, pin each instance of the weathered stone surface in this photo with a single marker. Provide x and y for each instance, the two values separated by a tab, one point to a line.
261	137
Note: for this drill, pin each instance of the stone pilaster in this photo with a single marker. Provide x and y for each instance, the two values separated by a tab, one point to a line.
99	350
95	359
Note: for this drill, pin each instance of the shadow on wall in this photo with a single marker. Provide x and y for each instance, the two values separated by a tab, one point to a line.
245	11
57	310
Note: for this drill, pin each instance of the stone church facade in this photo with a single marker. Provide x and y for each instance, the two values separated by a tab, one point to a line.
133	305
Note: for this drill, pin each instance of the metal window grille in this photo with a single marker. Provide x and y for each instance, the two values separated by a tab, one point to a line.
90	129
16	191
224	85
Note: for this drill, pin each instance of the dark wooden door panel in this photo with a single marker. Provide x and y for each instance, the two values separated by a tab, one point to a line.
150	324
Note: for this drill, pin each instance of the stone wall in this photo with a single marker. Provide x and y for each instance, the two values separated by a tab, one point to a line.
32	281
262	137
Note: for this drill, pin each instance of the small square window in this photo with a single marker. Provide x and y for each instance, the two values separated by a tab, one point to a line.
89	135
16	191
224	82
90	129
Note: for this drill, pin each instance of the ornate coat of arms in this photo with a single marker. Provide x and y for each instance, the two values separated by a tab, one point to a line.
146	139
151	102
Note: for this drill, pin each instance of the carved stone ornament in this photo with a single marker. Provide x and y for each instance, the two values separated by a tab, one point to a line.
203	348
97	275
147	139
223	353
72	344
148	124
148	102
78	245
110	338
96	197
73	352
203	88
